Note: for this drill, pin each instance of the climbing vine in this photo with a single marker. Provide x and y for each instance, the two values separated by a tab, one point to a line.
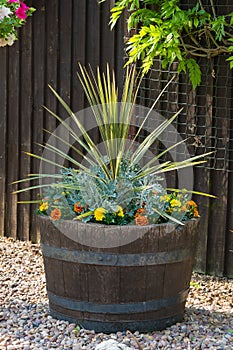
164	29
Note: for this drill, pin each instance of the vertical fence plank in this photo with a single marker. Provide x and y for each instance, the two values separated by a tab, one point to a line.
79	17
204	104
107	38
65	58
3	130
51	72
92	48
78	52
92	39
119	53
51	67
38	42
229	229
218	211
65	25
12	139
25	127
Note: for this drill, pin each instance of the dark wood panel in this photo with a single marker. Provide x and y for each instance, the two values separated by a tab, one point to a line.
64	58
202	176
12	139
107	38
38	88
51	69
218	211
78	52
25	123
119	53
229	230
92	28
3	130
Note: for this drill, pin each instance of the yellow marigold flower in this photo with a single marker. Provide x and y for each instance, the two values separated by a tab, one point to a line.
120	211
44	206
195	213
99	213
175	203
164	198
55	214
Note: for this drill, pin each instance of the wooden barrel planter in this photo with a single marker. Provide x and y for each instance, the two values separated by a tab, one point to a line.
142	285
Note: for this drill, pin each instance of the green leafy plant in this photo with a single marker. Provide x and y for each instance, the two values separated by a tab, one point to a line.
164	29
194	284
13	15
117	186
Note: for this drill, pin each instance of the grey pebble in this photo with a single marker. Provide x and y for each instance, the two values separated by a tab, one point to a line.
76	347
111	345
25	322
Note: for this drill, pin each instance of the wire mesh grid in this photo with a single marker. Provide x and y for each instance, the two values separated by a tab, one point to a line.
206	118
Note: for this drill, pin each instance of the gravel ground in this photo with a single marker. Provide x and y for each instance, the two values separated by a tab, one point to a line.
25	322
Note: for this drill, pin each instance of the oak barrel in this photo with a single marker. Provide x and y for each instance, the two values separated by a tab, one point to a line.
141	285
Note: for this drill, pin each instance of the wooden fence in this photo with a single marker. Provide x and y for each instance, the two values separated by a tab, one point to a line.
207	121
60	34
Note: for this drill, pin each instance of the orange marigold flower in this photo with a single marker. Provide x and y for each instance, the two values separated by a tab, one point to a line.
140	211
195	213
192	204
55	214
184	208
141	220
77	207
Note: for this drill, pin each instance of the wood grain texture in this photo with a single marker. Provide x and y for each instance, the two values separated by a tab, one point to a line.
12	139
219	179
3	131
202	176
125	283
39	82
25	128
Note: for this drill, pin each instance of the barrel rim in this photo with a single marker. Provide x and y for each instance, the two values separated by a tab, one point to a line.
94	224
